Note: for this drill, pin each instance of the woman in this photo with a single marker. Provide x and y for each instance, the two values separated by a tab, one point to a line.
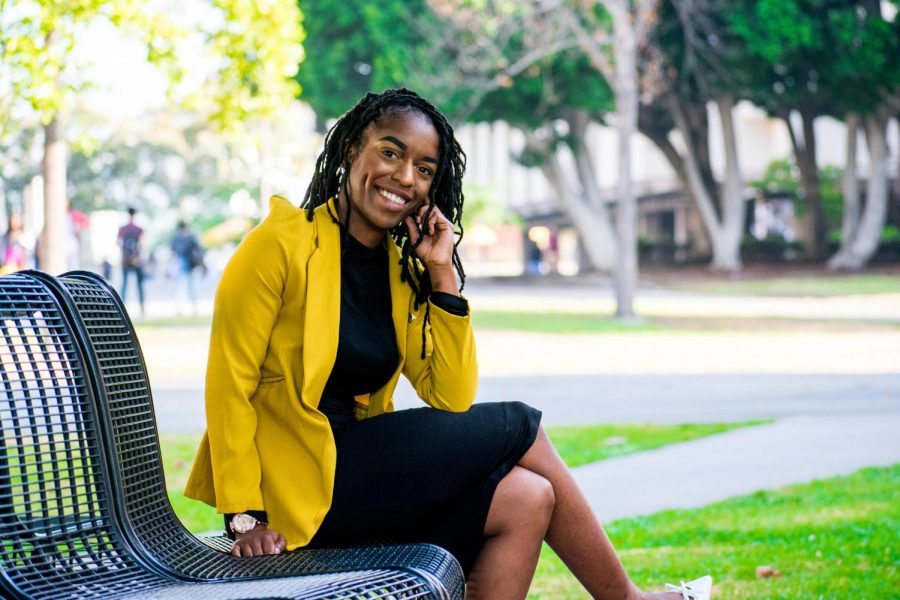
317	315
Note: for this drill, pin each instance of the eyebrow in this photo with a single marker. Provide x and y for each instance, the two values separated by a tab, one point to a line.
402	146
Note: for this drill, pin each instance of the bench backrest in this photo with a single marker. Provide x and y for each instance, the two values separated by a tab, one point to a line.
58	534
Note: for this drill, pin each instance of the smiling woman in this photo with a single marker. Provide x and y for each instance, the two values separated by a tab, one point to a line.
317	315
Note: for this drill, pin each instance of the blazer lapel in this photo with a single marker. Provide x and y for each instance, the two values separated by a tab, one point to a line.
322	312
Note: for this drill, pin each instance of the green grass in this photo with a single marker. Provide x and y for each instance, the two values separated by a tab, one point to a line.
843	285
835	538
576	445
558	322
586	444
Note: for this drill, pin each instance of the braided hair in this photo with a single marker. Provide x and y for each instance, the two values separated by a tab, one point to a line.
332	173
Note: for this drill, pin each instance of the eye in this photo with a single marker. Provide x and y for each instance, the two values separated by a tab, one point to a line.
389	153
426	171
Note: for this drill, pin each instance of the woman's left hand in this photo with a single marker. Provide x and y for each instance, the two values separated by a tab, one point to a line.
436	249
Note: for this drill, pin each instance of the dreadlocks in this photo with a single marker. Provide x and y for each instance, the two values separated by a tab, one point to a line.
332	173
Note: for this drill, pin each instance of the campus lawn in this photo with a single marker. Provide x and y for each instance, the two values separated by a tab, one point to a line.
580	445
577	446
839	285
835	538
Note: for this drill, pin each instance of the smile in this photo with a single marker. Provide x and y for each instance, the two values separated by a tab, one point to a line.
392	198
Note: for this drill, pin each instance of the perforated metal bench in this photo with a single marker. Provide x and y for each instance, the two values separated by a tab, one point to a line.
83	506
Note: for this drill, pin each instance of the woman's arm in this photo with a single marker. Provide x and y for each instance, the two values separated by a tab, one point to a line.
447	377
247	303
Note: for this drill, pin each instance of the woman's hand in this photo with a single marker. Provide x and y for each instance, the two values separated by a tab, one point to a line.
436	248
259	541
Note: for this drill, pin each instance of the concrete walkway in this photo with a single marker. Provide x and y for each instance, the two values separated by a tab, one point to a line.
706	470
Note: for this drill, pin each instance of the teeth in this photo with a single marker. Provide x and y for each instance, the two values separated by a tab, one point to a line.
394	198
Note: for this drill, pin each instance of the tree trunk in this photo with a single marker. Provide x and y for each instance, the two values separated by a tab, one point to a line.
805	153
626	93
874	213
699	241
590	218
850	191
53	236
725	243
728	257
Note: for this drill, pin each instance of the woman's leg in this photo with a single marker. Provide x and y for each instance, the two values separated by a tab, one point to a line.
516	525
574	532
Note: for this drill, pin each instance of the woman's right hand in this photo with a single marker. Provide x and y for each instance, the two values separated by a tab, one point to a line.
258	542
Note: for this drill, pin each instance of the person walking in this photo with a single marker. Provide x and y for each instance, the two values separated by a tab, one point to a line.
131	242
15	256
188	254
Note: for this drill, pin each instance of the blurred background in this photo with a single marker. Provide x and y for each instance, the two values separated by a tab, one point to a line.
600	135
681	235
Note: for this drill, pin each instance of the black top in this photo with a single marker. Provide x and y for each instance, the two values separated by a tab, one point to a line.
367	354
367	346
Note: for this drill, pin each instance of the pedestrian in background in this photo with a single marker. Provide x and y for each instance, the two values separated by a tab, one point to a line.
131	242
188	254
14	255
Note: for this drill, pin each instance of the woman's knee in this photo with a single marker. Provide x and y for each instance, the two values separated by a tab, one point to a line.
523	498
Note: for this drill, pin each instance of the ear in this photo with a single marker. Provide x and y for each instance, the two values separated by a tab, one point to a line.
351	155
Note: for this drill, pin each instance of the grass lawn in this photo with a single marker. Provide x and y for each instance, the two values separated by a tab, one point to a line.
586	444
577	446
558	322
843	285
835	538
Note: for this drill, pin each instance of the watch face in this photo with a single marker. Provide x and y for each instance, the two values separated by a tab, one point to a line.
242	523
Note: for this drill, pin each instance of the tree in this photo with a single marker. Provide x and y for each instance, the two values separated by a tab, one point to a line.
505	66
254	45
871	95
631	23
691	63
811	58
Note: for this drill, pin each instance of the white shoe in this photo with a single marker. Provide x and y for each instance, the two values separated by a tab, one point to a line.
698	589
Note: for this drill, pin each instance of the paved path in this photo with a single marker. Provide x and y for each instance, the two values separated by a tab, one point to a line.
696	473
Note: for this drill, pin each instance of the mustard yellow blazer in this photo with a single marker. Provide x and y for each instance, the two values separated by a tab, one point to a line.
273	345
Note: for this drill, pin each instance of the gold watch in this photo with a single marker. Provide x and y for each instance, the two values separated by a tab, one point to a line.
242	523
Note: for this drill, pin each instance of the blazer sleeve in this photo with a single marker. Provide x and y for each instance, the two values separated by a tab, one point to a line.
247	304
447	378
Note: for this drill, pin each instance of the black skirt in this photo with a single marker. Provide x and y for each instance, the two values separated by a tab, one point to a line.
424	475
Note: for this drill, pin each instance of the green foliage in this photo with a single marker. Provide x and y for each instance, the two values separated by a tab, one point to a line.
255	47
817	55
36	40
782	176
257	51
356	47
833	538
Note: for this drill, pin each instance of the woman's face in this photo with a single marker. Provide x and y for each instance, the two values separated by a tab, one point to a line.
391	171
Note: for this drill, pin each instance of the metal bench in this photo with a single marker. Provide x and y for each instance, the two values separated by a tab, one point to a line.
83	506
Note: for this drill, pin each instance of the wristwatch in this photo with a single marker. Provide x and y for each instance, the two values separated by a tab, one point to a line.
242	523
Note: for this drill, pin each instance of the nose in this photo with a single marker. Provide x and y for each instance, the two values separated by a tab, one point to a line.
405	174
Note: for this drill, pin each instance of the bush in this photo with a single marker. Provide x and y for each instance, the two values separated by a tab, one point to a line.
773	249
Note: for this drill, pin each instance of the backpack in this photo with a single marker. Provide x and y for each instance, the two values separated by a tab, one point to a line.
195	257
131	250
